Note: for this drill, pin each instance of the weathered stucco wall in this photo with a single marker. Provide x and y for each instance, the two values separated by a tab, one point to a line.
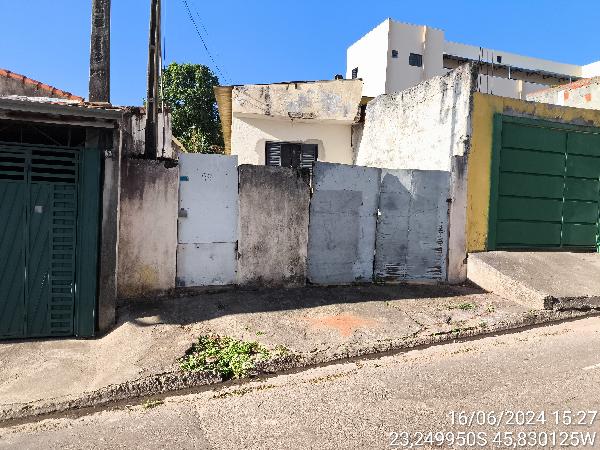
273	226
148	227
412	227
580	94
422	127
208	220
343	216
249	136
334	100
427	127
479	164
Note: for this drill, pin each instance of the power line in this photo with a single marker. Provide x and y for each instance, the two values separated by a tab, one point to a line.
190	15
254	101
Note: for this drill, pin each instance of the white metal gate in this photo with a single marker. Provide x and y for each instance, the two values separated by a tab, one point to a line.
208	220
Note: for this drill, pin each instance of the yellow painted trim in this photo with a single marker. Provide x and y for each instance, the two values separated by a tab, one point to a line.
480	154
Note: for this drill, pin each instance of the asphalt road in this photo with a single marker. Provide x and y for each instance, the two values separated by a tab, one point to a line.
358	404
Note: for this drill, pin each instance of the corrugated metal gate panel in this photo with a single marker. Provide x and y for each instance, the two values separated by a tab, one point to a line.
39	208
547	189
12	258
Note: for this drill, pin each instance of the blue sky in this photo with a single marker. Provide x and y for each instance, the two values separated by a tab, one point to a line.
260	41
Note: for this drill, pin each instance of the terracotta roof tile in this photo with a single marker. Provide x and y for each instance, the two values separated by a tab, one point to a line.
51	90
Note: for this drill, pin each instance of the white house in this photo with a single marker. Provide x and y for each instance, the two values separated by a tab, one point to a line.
290	124
395	56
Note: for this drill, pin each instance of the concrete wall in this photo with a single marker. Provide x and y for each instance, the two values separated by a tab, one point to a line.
343	216
427	127
412	227
580	94
249	136
273	226
148	227
134	126
479	163
333	100
208	220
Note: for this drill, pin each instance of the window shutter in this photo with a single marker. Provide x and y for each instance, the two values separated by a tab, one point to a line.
273	154
308	156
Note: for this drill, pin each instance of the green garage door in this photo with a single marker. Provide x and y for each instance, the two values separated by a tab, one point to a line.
45	206
545	185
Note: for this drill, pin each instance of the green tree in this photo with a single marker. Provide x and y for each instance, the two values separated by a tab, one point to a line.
188	92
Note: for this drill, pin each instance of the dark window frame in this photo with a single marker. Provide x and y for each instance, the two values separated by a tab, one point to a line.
415	60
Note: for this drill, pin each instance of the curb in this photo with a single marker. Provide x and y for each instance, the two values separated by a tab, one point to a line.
175	380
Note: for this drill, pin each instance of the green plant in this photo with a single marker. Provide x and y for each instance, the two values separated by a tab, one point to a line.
466	306
149	404
224	356
187	90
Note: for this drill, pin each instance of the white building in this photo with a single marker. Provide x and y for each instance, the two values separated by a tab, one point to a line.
290	124
395	56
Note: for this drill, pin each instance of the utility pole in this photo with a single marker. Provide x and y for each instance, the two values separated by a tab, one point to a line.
99	88
154	64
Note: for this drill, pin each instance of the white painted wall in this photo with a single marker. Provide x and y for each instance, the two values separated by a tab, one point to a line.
383	74
370	55
511	59
249	135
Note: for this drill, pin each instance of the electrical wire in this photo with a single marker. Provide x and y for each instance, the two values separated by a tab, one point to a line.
254	101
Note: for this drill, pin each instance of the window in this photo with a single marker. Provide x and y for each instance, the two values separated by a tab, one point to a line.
499	59
355	73
394	53
289	154
414	59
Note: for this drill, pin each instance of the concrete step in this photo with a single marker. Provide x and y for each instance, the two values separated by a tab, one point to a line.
539	280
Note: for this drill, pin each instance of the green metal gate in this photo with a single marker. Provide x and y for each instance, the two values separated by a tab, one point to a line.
545	185
49	209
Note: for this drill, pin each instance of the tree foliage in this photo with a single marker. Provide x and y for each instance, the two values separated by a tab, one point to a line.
188	92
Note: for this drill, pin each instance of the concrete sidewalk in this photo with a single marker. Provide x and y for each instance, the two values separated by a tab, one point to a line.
317	325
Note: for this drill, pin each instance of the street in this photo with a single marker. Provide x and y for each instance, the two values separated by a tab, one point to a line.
552	372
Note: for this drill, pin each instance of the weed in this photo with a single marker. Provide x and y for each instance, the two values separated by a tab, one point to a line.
149	404
224	356
466	306
260	333
483	324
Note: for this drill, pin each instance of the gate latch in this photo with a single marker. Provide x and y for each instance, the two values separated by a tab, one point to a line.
182	212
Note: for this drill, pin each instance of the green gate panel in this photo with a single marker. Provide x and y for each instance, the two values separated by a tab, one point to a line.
529	209
584	144
87	267
12	258
580	212
38	257
579	235
49	215
545	185
528	234
533	138
537	162
540	186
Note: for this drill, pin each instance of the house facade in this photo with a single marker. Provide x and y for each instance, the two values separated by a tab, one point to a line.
395	56
290	124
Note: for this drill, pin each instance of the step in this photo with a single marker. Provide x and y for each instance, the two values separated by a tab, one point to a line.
539	280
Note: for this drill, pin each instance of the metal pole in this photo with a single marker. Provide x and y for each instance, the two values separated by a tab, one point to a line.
99	86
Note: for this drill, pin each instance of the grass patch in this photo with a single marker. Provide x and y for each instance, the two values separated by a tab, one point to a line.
224	356
149	404
466	306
